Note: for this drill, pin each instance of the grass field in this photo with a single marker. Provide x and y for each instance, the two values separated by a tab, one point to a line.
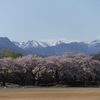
50	94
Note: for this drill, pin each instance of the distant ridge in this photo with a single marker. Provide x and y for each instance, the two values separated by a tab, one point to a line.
50	48
5	43
58	47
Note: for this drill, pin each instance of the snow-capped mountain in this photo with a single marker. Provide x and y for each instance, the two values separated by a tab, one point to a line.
58	47
49	48
95	42
38	44
94	46
53	43
33	43
30	44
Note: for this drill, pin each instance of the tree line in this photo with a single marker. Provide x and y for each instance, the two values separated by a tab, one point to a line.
37	70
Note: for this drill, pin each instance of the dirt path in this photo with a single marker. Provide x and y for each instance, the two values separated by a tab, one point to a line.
50	94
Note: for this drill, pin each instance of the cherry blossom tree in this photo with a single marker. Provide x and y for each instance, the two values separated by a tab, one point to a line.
53	65
22	64
34	69
68	67
29	66
6	68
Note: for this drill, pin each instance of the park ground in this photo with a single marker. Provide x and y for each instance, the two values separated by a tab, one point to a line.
50	94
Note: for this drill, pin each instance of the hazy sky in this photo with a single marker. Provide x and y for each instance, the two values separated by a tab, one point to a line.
23	20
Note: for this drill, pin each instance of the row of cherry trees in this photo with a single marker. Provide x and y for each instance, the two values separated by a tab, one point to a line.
68	67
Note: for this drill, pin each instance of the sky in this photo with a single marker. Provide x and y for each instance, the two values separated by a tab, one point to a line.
23	20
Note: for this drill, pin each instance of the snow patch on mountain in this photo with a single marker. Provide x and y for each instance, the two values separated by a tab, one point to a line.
46	43
53	43
93	43
29	44
35	44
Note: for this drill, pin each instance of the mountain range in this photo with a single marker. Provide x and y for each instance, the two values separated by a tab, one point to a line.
49	48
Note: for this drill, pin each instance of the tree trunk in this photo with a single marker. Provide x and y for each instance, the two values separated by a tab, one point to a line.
84	83
97	83
33	81
22	82
4	82
57	77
